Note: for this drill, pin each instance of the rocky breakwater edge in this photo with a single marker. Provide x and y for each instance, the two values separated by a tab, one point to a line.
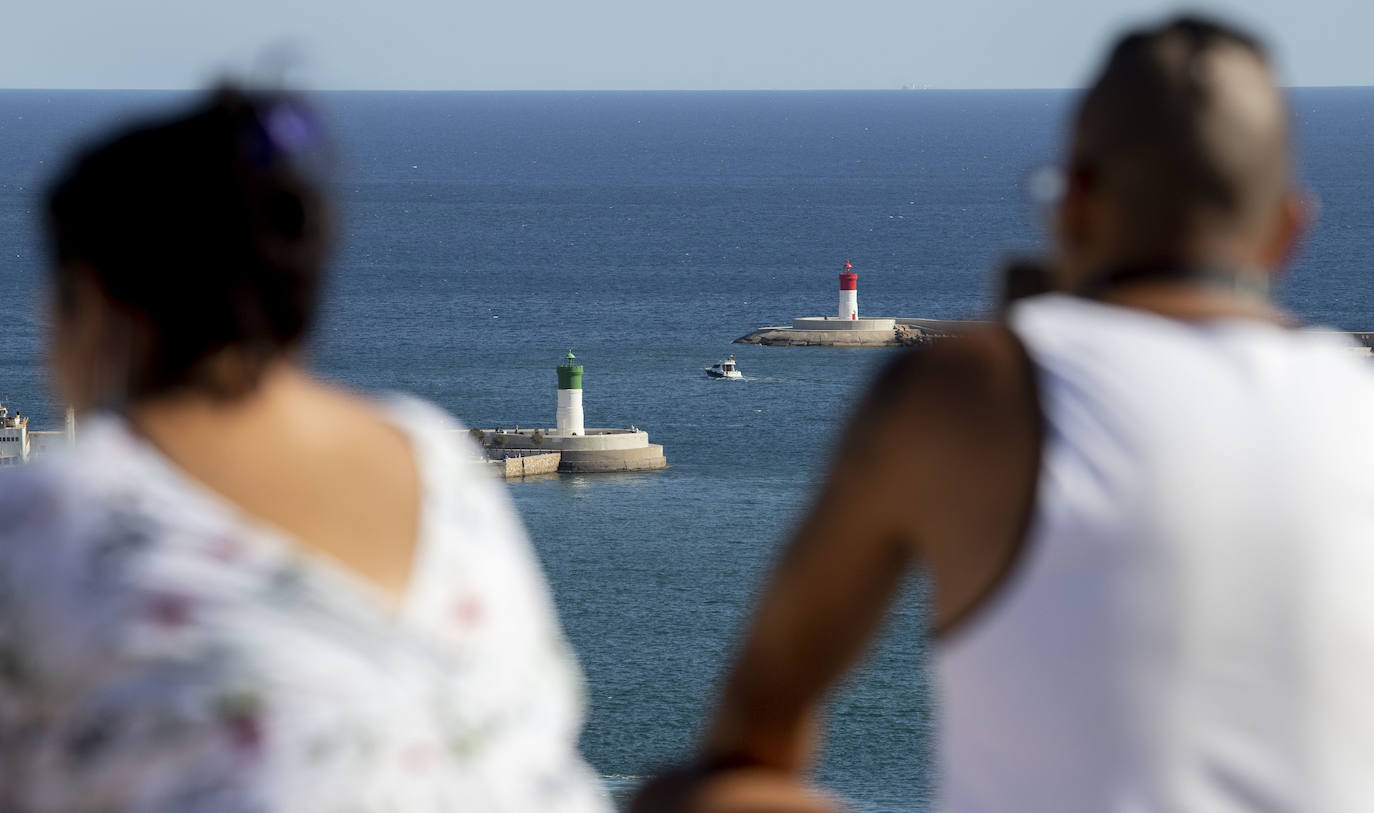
832	332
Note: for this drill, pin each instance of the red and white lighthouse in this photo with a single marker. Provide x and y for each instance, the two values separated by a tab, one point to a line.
849	292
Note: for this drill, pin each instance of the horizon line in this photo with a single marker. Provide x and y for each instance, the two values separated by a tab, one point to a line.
903	89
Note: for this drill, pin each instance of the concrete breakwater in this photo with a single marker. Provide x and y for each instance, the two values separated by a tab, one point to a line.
829	331
1363	339
514	464
596	450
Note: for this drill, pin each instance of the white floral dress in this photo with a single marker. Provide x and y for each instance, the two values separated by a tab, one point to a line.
160	651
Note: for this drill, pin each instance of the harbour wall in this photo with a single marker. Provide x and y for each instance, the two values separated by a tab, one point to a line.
515	464
598	450
826	323
646	458
1364	339
829	331
938	327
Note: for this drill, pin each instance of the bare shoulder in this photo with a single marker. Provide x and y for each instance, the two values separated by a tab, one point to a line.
354	484
979	381
366	438
941	420
957	425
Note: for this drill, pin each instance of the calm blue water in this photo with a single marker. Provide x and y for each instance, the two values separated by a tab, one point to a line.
484	234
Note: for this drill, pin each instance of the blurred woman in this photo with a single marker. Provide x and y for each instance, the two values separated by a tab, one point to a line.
247	589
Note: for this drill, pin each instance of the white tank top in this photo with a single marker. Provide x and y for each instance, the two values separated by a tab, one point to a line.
1189	625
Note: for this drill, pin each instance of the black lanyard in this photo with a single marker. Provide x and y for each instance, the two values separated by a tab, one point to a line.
1247	283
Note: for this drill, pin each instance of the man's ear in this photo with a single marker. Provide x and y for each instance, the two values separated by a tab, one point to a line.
1291	223
1077	222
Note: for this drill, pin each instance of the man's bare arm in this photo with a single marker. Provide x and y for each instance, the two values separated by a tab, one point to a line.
825	598
924	472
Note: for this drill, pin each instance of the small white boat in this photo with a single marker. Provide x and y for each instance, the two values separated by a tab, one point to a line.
724	369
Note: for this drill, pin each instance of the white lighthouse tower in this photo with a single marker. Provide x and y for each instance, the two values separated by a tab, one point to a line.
570	397
849	293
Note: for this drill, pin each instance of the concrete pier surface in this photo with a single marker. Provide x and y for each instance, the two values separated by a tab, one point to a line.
597	450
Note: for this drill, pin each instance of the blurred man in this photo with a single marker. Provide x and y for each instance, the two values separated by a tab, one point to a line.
1142	506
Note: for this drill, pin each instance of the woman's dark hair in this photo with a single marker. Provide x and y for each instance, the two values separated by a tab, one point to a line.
203	232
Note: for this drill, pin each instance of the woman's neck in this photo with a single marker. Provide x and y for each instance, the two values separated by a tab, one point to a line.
199	420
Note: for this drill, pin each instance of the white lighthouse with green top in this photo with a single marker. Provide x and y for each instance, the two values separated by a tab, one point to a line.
578	449
570	397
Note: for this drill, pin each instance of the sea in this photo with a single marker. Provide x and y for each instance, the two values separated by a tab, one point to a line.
483	235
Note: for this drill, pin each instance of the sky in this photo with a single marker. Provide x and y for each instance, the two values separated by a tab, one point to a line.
630	44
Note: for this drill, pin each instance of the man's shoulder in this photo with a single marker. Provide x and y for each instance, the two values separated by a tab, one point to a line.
953	442
953	413
960	379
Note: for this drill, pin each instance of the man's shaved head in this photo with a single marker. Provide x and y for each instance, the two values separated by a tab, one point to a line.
1185	131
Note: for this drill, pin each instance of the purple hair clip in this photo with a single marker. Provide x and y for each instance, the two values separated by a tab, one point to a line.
289	128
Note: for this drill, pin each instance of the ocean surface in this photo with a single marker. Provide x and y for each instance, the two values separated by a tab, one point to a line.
484	234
